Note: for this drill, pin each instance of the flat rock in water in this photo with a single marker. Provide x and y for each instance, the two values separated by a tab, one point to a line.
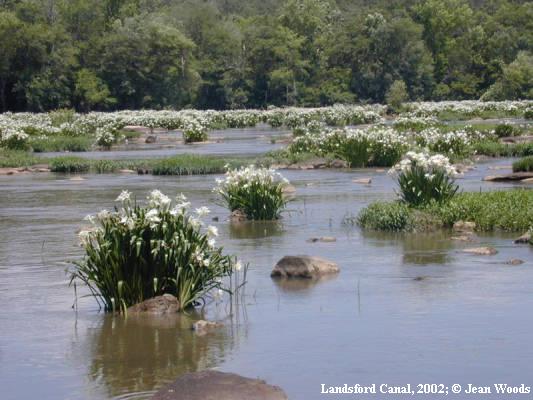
164	304
514	261
515	176
481	251
528	180
364	181
323	239
127	171
525	238
463	238
216	385
303	267
150	139
77	179
288	190
338	164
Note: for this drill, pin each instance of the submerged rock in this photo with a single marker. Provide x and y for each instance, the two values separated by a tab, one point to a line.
481	251
303	267
323	239
238	216
514	261
364	181
463	238
203	326
164	304
525	238
216	385
150	139
288	190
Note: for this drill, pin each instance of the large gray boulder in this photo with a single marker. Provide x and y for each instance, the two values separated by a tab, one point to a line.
165	304
215	385
303	267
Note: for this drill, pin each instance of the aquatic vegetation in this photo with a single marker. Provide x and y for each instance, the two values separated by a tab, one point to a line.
58	143
468	108
104	137
505	130
257	192
453	142
497	149
523	165
386	216
191	164
509	210
13	139
69	164
409	122
135	253
18	158
423	178
194	131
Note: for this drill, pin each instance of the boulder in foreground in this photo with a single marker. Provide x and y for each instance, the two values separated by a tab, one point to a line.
303	267
215	385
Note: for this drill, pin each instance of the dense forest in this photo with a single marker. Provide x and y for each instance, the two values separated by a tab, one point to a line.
132	54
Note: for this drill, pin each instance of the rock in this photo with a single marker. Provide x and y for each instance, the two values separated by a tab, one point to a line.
203	326
215	219
323	239
77	178
126	171
420	278
497	167
150	139
364	181
525	238
463	238
8	171
515	176
303	267
514	261
142	171
288	190
238	216
42	170
338	164
216	385
462	168
165	304
528	180
381	170
481	251
464	226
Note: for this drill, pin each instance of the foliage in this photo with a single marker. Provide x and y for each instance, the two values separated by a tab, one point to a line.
225	54
523	165
136	253
257	192
386	216
423	179
505	130
69	164
190	164
397	95
498	149
510	210
41	144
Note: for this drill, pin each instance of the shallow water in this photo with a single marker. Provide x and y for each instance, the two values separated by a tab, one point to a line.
227	142
467	321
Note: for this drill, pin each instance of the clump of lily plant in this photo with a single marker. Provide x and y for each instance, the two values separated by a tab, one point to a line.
135	253
256	192
423	178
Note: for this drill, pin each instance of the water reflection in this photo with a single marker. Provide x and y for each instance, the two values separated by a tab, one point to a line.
301	284
255	229
427	248
141	353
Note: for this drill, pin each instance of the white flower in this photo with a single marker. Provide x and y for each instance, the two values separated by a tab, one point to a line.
212	231
238	266
211	242
152	217
202	211
90	218
123	196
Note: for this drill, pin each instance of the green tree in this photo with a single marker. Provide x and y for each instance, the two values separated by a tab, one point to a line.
91	91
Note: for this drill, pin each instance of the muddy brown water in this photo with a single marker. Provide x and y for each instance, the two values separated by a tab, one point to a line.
468	320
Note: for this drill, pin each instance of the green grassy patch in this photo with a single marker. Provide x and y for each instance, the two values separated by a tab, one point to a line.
18	158
60	143
523	165
510	210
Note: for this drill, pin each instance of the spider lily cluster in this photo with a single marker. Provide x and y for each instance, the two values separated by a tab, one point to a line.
134	253
257	192
424	178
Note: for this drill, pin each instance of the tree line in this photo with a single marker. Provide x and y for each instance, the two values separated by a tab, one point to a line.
220	54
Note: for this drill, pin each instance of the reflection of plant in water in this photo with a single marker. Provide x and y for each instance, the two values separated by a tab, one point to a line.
255	229
426	248
141	353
